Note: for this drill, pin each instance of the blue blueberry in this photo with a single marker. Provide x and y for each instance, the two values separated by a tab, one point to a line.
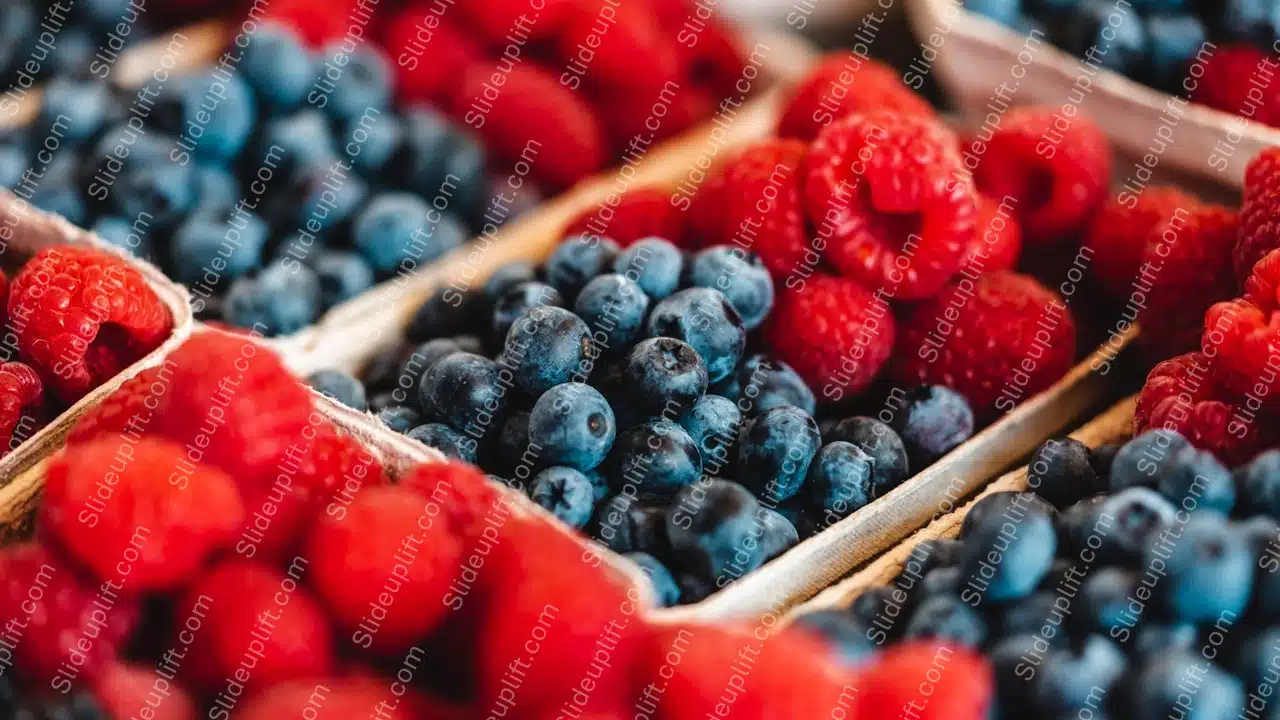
1258	486
547	346
279	301
215	187
948	619
1155	638
742	277
1195	480
1104	603
845	636
1028	615
840	479
1158	690
1012	689
382	370
932	420
565	493
1209	569
1071	679
1119	36
450	442
1005	12
1139	462
465	391
418	361
18	25
131	236
518	299
777	533
1059	471
13	162
1256	659
465	168
1006	504
767	383
76	107
714	530
572	425
513	442
887	451
340	386
59	191
319	198
802	515
343	275
425	146
1102	458
1134	516
774	452
388	227
941	581
1257	21
198	247
400	419
665	377
664	584
165	193
302	140
1174	40
508	276
615	526
614	308
712	422
365	81
370	142
279	67
1008	553
444	313
929	555
218	114
578	259
704	319
599	483
654	264
654	459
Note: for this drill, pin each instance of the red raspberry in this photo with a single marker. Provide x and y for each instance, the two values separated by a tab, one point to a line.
316	22
1059	176
82	316
1184	394
997	239
925	682
997	340
253	610
754	201
1118	234
21	404
628	121
465	495
888	191
1187	263
496	21
1262	287
50	609
1231	74
140	503
388	544
130	406
345	699
1259	212
429	53
530	117
607	61
715	63
639	213
834	333
843	84
128	691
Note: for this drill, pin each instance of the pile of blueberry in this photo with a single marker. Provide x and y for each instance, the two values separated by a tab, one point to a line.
1137	581
625	392
79	39
269	187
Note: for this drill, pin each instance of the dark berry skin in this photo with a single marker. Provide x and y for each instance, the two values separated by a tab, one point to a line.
1125	44
452	443
664	376
545	347
664	583
947	618
614	307
1258	486
742	277
714	530
1194	480
777	534
572	425
508	276
444	314
768	383
1210	570
1139	461
1156	689
655	458
1027	615
624	524
1104	603
578	259
706	320
1007	553
887	451
931	421
517	299
1060	472
513	440
845	636
1101	458
400	419
654	264
1138	515
340	386
1072	678
775	451
565	493
465	391
713	423
840	480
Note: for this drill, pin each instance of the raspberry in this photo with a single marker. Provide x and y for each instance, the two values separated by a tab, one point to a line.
533	119
1244	341
639	213
343	699
715	63
997	239
430	54
464	493
607	61
1190	269
843	84
997	339
127	691
1262	287
925	681
82	316
55	609
832	332
1226	83
1184	394
316	23
754	201
1059	177
252	610
388	537
888	192
1119	231
120	500
21	404
116	411
495	21
626	117
1259	212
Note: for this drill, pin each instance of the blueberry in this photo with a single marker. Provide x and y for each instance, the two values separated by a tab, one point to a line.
572	425
1256	660
420	160
769	383
1071	679
932	420
1209	566
655	458
882	607
728	387
465	391
340	386
887	451
777	533
1258	486
303	137
1159	689
1257	21
713	423
547	346
199	245
941	581
13	162
278	67
565	493
1007	554
517	299
805	518
133	237
370	142
1060	472
664	584
1009	672
469	184
73	53
599	484
448	441
929	555
1104	603
1006	504
1115	39
160	194
18	25
382	372
1004	12
1139	461
365	81
1029	615
442	314
1101	458
508	276
343	275
840	479
615	524
215	188
513	442
418	361
77	108
714	531
1174	40
578	259
846	637
947	618
665	376
704	319
1195	480
276	302
654	264
59	192
218	113
693	587
775	450
614	308
742	277
400	419
1134	516
396	230
1153	638
318	198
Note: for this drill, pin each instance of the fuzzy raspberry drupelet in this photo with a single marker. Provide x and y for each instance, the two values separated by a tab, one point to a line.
833	332
890	193
1243	335
842	84
639	213
997	340
1058	169
21	404
81	316
997	239
1225	84
1117	237
1259	212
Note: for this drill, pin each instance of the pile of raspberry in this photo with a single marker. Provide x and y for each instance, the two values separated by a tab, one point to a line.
209	544
73	318
559	89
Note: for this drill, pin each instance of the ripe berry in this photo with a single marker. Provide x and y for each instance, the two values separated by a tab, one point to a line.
1259	210
657	458
565	493
775	449
894	682
932	420
740	276
639	214
653	263
708	322
572	425
840	85
21	404
997	238
1117	237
